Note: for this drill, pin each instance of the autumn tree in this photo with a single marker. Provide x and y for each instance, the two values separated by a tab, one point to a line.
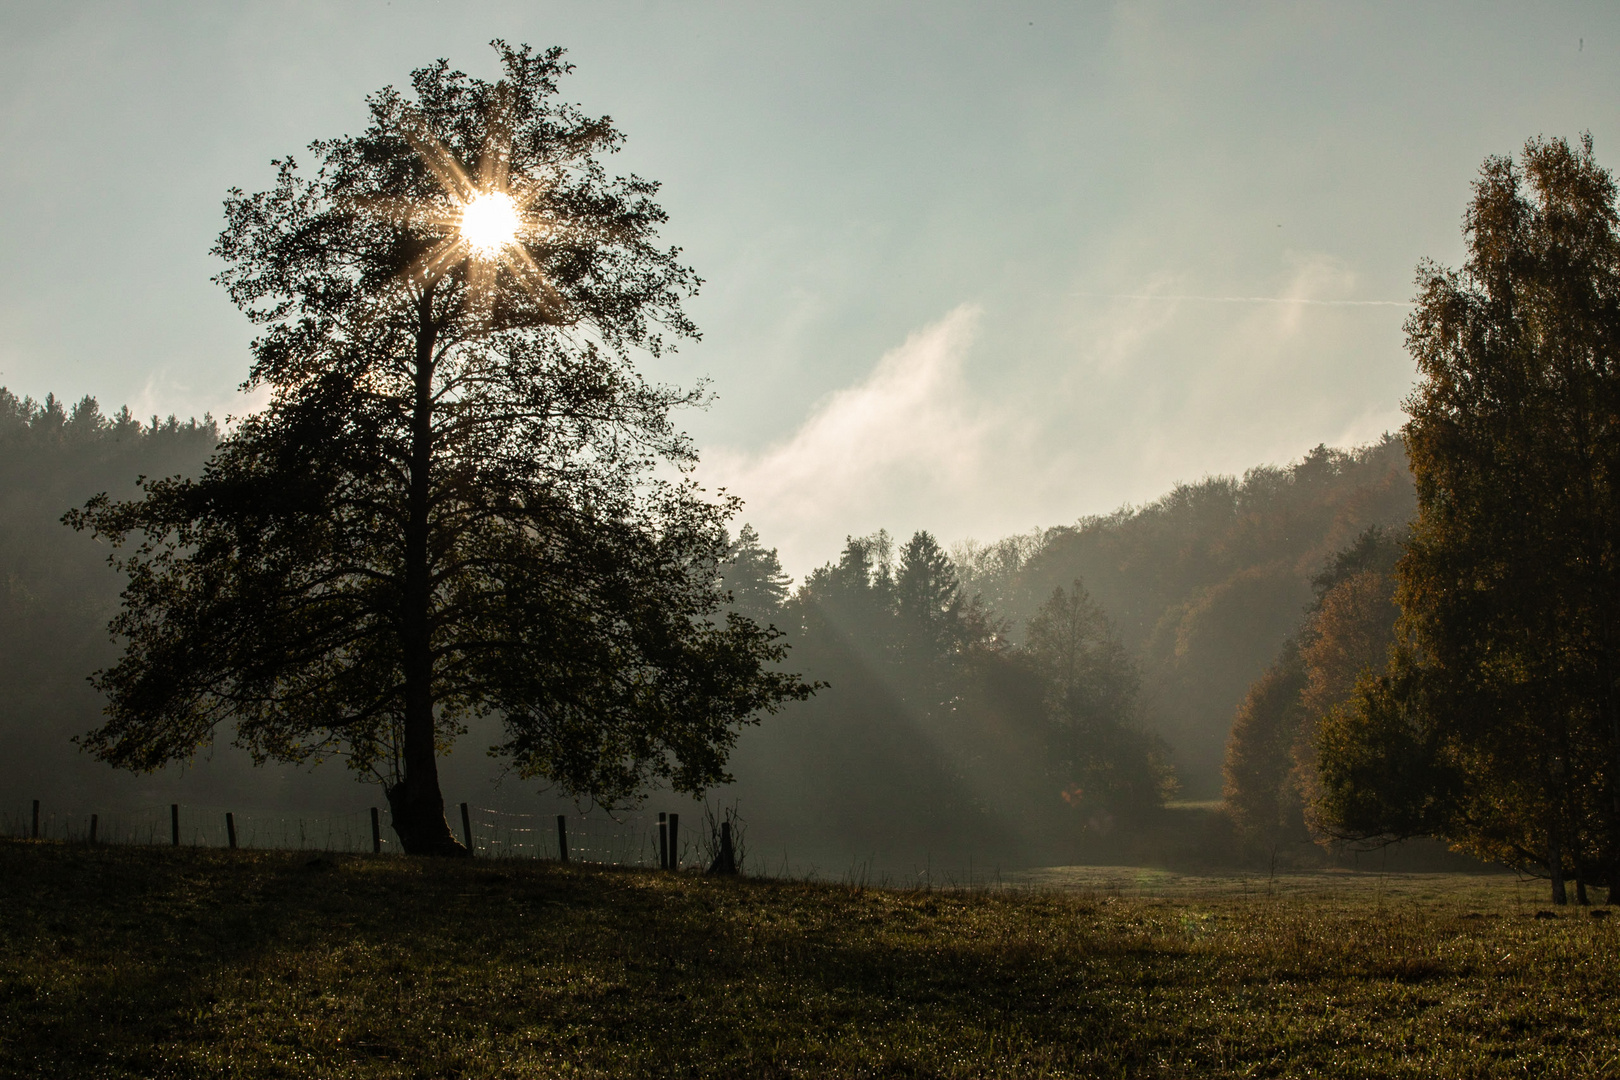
1497	725
1270	768
445	512
1259	794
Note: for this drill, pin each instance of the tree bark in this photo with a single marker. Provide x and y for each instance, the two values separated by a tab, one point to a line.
416	802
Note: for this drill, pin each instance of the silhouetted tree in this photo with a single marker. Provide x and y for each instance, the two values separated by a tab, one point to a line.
753	575
926	593
445	511
1503	695
1107	760
854	597
928	613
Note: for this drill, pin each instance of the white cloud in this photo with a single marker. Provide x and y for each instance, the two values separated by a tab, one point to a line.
905	443
1152	393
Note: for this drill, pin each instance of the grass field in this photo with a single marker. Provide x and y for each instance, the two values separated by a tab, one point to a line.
161	962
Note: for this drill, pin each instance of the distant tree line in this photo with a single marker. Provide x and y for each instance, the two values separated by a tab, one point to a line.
53	585
935	729
1205	584
56	590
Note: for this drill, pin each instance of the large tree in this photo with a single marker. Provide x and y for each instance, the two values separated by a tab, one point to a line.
1503	699
446	511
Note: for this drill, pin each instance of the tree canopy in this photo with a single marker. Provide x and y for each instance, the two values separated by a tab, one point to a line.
1497	725
447	510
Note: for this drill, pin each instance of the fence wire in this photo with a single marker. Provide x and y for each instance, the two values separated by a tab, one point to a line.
597	838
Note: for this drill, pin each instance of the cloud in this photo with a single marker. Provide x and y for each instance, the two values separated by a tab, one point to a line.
950	434
904	443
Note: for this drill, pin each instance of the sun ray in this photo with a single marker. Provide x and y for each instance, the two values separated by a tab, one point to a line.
440	162
495	163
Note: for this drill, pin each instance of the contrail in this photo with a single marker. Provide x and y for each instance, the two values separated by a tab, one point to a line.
1249	299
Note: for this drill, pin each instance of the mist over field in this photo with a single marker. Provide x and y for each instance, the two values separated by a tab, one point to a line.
886	767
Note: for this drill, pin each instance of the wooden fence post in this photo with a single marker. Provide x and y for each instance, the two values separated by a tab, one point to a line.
663	840
562	837
33	834
376	832
230	829
174	823
466	827
674	841
92	828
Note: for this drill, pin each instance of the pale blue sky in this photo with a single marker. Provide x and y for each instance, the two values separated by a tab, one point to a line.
925	228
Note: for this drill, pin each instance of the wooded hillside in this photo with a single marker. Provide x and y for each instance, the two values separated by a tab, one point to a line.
1205	584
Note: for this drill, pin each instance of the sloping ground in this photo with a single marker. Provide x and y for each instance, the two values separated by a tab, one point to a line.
153	962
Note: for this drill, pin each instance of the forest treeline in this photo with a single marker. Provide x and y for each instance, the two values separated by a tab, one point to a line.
57	592
1204	584
948	726
1035	698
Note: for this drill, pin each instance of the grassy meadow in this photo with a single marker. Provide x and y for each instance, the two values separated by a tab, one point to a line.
118	961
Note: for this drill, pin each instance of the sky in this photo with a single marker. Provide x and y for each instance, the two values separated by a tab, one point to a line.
971	268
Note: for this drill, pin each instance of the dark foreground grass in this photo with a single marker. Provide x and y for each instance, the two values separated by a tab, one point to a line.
151	962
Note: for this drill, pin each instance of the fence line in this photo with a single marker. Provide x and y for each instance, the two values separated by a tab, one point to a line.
626	840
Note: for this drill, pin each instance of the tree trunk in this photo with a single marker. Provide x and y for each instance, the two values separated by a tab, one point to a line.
416	803
1555	868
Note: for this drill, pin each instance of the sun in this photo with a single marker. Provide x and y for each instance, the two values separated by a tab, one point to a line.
489	224
490	219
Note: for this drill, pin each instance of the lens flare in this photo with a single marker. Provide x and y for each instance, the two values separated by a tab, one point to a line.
489	223
493	221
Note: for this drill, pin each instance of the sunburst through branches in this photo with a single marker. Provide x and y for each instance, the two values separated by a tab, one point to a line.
489	224
491	221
